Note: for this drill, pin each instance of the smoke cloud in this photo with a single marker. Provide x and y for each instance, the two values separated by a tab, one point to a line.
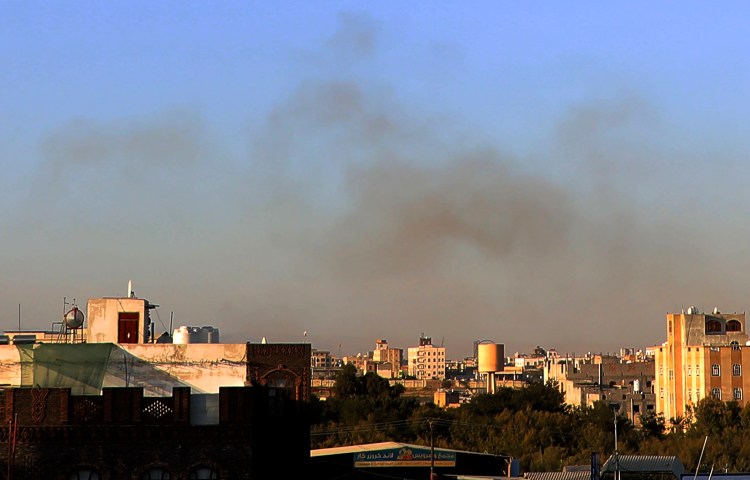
356	216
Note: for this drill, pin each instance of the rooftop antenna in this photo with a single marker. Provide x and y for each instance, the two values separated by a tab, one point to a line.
130	289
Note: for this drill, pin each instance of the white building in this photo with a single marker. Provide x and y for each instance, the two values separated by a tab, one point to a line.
426	361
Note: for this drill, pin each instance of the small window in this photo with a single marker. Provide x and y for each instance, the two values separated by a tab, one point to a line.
697	371
84	474
690	371
716	393
204	473
155	474
734	326
737	393
735	345
715	370
661	393
713	326
736	370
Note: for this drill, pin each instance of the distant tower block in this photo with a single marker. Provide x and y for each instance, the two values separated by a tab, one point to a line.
491	360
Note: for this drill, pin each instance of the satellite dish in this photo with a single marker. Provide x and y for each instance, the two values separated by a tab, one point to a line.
74	318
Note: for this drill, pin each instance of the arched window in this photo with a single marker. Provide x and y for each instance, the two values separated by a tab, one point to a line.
282	390
155	474
204	473
734	326
713	326
84	474
735	345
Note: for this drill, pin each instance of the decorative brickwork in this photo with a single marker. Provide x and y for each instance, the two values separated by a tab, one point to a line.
122	434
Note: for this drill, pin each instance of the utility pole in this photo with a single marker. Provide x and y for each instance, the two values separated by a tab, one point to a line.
617	456
432	450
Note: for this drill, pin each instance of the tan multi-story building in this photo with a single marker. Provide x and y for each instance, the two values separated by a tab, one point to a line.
321	359
426	360
383	354
705	354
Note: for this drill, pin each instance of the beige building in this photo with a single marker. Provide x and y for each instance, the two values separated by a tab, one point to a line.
426	361
705	354
383	354
115	347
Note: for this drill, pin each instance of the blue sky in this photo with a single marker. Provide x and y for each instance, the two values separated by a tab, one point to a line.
352	168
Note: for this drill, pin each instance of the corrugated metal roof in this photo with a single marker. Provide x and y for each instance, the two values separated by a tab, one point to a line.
646	464
558	475
370	447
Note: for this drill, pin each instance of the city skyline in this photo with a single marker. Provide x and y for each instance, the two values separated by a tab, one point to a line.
531	174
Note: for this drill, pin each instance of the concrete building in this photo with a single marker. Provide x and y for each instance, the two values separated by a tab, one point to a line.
385	354
426	360
705	354
107	402
122	434
626	386
321	359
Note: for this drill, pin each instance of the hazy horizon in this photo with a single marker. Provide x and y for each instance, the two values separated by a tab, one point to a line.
558	175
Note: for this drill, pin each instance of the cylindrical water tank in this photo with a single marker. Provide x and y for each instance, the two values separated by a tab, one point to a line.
195	334
203	334
213	336
74	318
491	357
181	336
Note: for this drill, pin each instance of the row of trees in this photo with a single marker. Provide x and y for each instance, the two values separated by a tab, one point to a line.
532	424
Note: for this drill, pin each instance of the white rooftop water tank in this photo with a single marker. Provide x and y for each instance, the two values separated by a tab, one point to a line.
181	336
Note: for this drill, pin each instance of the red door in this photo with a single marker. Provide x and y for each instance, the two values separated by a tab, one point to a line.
127	327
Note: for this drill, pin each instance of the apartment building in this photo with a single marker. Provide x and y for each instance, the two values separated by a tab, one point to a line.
388	359
426	361
705	354
321	359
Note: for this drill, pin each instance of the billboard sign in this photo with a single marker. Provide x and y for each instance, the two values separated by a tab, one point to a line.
403	457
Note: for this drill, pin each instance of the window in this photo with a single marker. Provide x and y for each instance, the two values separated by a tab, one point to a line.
735	345
697	371
671	374
736	370
155	474
84	474
715	370
734	326
690	371
204	473
661	370
713	326
737	393
716	393
661	393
